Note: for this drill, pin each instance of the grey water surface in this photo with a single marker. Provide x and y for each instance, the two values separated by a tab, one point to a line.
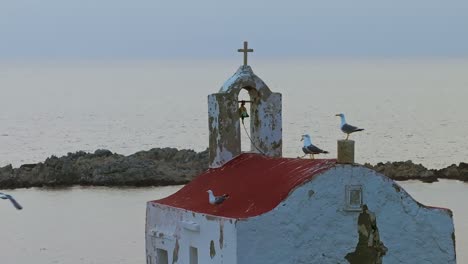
99	225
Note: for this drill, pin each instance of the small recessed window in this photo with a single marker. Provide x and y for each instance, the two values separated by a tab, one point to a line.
193	255
353	197
161	256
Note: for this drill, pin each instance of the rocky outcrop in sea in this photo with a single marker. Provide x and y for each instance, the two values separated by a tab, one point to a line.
165	166
155	167
407	170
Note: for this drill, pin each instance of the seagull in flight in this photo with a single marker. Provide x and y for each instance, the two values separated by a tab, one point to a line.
5	196
309	148
216	199
346	128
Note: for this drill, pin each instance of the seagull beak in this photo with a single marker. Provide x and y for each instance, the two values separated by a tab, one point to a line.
302	138
337	115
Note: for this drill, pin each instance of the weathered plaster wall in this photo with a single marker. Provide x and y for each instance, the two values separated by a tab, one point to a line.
266	125
224	127
176	230
312	225
224	123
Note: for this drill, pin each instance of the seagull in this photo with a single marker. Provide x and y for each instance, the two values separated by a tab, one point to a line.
216	199
5	196
309	148
346	128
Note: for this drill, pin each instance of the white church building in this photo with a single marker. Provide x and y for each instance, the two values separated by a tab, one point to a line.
288	210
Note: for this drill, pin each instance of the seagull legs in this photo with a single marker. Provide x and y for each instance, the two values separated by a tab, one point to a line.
347	136
311	156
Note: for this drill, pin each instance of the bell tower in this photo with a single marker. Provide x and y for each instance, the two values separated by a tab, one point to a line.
224	119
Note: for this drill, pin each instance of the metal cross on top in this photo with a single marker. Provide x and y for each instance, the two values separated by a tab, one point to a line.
245	50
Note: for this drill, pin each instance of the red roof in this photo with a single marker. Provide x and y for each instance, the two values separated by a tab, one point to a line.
256	184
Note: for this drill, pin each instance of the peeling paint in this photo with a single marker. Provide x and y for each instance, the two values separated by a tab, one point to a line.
319	230
316	230
224	137
178	240
277	145
224	123
396	187
212	249
268	133
369	250
454	244
221	234
210	217
175	252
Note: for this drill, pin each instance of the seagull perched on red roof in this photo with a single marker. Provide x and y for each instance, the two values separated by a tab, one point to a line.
309	148
216	199
346	128
5	196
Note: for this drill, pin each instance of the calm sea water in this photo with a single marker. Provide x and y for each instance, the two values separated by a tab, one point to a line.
410	110
106	225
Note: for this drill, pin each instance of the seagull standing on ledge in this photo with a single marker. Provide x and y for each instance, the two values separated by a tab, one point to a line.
347	129
5	196
309	148
216	199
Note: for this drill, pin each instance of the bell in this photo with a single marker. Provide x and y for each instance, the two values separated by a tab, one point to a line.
243	111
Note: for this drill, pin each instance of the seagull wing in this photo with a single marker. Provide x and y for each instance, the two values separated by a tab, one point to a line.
221	199
12	200
315	150
346	128
15	203
306	150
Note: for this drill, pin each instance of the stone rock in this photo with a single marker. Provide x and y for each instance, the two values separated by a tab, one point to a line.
451	172
409	171
158	166
463	171
406	170
102	153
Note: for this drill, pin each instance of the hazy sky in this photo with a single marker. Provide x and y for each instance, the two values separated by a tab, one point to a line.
151	29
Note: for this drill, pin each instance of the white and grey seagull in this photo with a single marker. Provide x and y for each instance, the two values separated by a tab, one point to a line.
212	199
309	148
346	128
5	196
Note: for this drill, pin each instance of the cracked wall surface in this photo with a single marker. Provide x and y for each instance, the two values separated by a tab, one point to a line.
224	123
176	230
318	228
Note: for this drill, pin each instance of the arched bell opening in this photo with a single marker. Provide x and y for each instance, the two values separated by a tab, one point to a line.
247	99
263	126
